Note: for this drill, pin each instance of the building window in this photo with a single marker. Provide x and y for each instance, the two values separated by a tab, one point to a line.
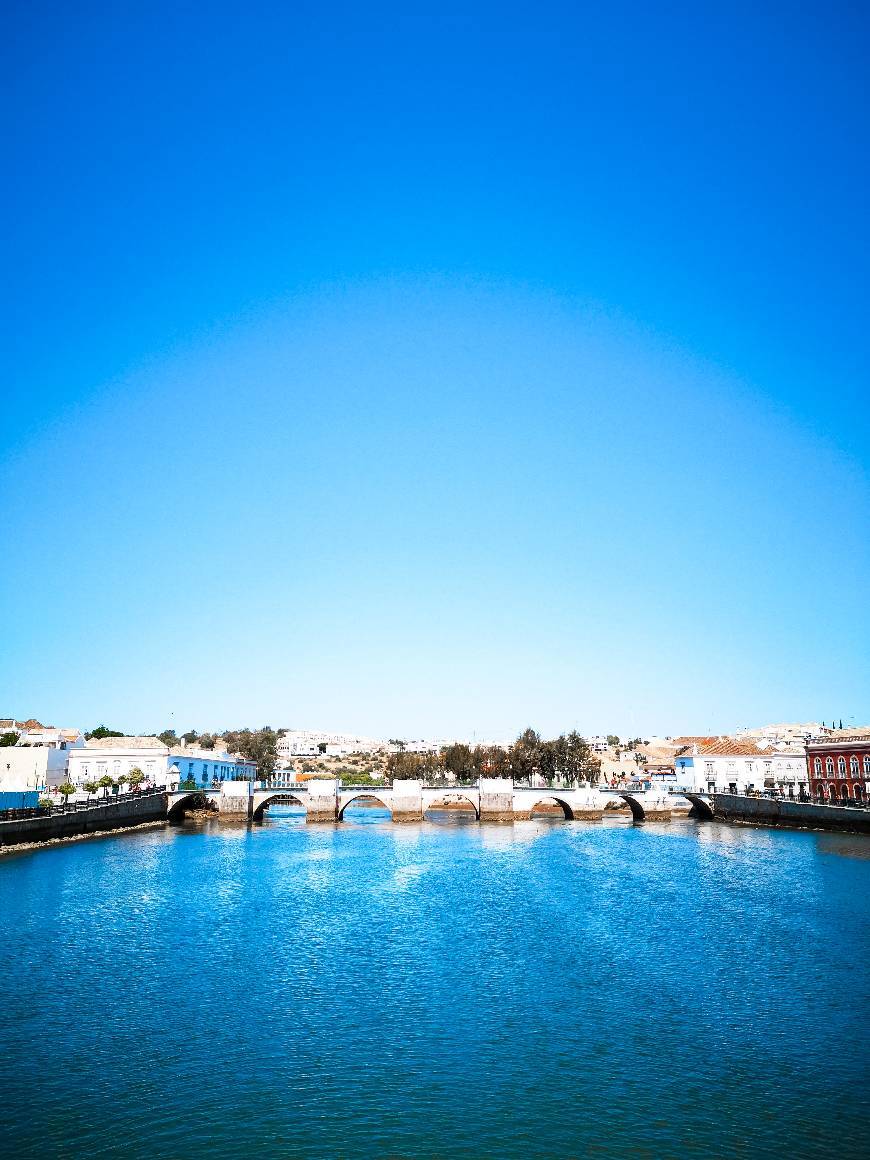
867	765
817	766
853	766
829	766
841	767
190	767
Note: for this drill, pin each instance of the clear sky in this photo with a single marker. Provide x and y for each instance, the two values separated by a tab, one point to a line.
436	369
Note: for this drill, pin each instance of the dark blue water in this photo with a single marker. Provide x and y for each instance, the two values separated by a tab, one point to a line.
536	990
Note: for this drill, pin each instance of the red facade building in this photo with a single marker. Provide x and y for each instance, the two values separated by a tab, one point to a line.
838	767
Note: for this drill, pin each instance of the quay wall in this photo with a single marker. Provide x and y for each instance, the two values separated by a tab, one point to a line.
111	816
797	815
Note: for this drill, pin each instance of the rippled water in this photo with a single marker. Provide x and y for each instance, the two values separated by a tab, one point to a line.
535	990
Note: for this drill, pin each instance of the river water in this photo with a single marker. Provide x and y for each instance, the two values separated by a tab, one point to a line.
543	989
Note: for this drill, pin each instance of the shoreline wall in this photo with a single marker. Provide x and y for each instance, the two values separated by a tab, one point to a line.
729	807
111	816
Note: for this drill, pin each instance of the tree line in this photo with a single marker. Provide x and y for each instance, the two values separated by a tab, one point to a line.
566	758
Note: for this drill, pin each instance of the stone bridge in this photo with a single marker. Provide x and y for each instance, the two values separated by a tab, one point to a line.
493	800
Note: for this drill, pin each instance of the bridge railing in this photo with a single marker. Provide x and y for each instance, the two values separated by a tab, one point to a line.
76	807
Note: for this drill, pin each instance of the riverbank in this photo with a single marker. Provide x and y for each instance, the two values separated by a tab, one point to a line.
112	814
23	847
781	812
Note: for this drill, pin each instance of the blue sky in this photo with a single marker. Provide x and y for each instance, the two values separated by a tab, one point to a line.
436	369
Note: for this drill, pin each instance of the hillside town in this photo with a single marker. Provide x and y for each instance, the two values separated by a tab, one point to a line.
804	761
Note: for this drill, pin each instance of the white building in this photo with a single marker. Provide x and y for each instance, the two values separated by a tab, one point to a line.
731	765
315	743
785	733
39	758
25	767
117	756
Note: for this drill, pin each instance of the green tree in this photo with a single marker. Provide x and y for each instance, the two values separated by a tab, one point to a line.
581	764
207	741
458	760
403	766
549	764
90	787
189	737
491	761
261	747
66	788
237	740
612	740
105	782
168	737
524	755
135	777
103	731
119	781
7	739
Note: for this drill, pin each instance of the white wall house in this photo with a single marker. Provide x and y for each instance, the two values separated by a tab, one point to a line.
28	767
735	766
39	758
312	743
116	756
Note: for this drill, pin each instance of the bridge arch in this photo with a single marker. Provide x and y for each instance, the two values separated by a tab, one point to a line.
450	796
195	799
701	807
551	799
364	795
637	810
286	797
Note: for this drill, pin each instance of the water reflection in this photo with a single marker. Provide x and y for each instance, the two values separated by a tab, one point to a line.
434	989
